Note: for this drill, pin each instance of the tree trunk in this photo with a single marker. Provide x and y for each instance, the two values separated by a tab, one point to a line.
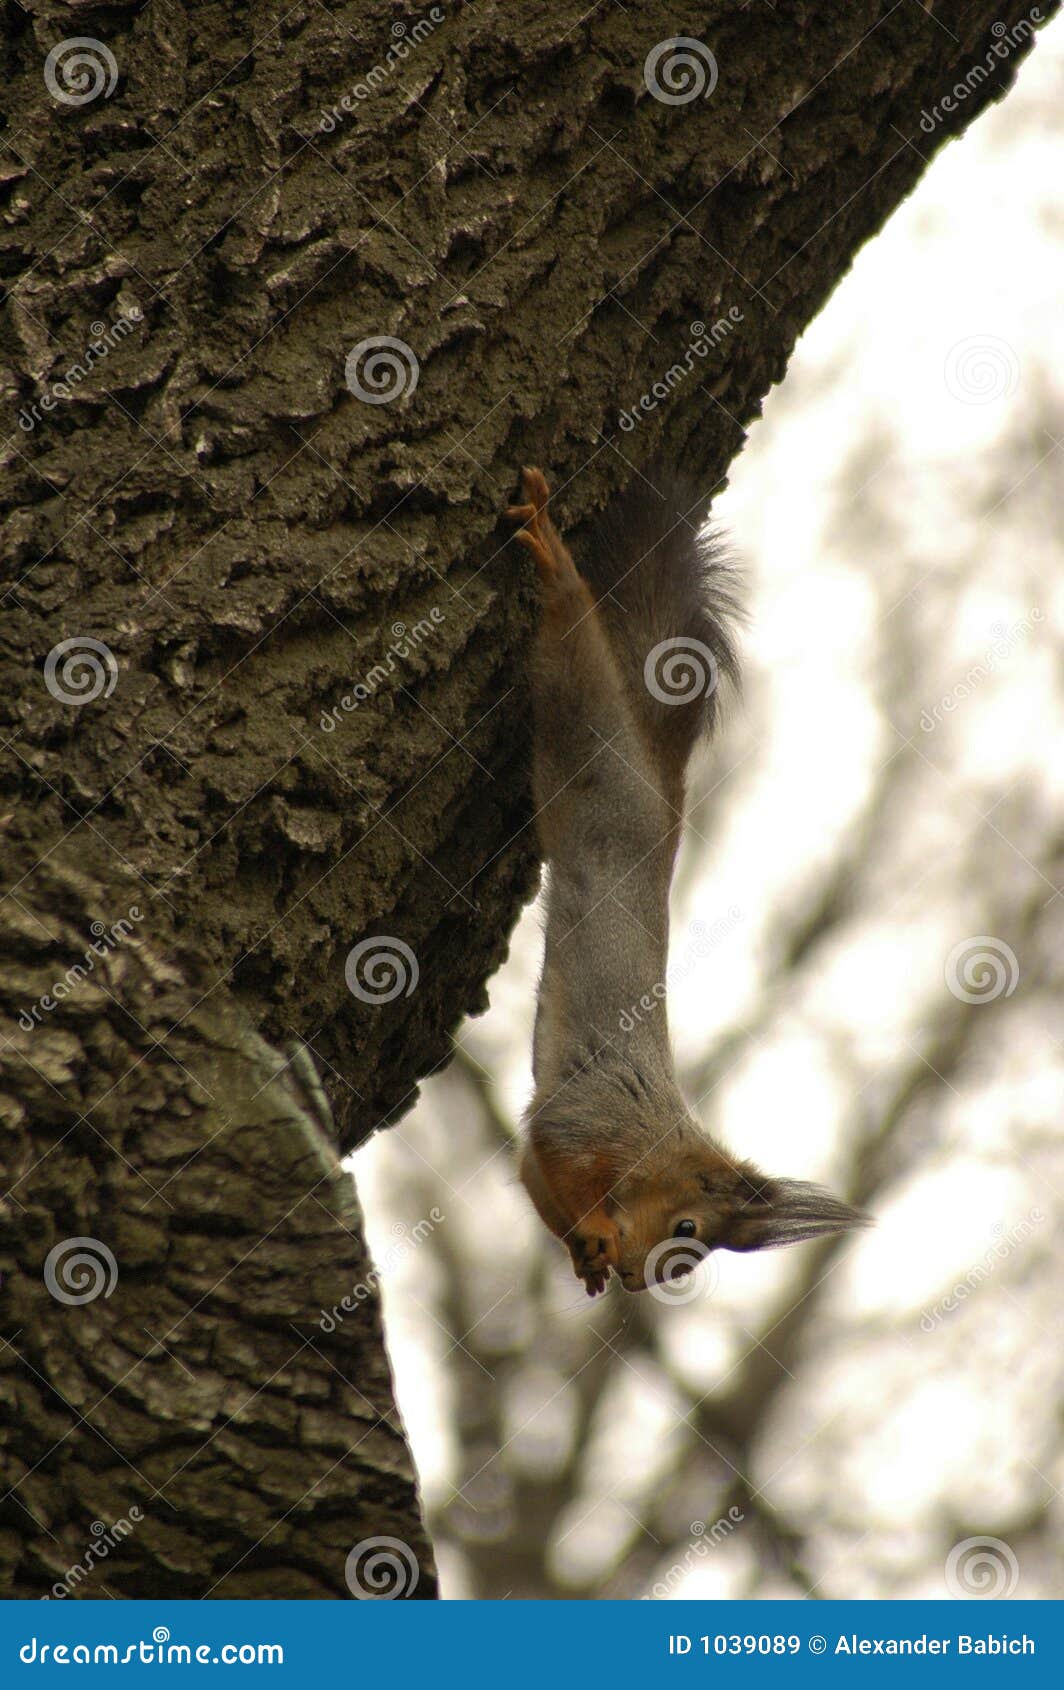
266	817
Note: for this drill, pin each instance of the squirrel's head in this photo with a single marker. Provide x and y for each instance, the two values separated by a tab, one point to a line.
680	1187
707	1201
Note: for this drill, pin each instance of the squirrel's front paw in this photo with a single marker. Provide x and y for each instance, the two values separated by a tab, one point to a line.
595	1249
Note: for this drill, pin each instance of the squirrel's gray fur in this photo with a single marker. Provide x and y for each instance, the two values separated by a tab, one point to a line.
634	646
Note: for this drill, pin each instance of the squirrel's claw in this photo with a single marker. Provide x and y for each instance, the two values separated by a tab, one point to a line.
534	483
594	1253
536	531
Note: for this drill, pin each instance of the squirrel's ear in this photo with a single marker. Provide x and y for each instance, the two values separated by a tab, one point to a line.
772	1212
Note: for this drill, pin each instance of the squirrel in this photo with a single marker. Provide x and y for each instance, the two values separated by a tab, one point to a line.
625	670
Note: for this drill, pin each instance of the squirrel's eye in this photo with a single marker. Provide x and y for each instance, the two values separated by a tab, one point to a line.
685	1229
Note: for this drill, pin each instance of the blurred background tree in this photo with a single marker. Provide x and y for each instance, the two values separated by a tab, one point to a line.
865	989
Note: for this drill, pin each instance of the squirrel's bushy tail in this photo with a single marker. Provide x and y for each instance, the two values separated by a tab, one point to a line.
669	599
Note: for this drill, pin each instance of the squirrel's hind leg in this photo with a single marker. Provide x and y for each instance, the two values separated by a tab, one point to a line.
538	532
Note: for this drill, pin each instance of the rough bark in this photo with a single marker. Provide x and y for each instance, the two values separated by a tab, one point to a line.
253	543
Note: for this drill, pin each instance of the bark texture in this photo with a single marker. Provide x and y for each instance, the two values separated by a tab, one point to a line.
252	543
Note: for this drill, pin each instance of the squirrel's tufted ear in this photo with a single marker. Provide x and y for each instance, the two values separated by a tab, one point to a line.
768	1213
